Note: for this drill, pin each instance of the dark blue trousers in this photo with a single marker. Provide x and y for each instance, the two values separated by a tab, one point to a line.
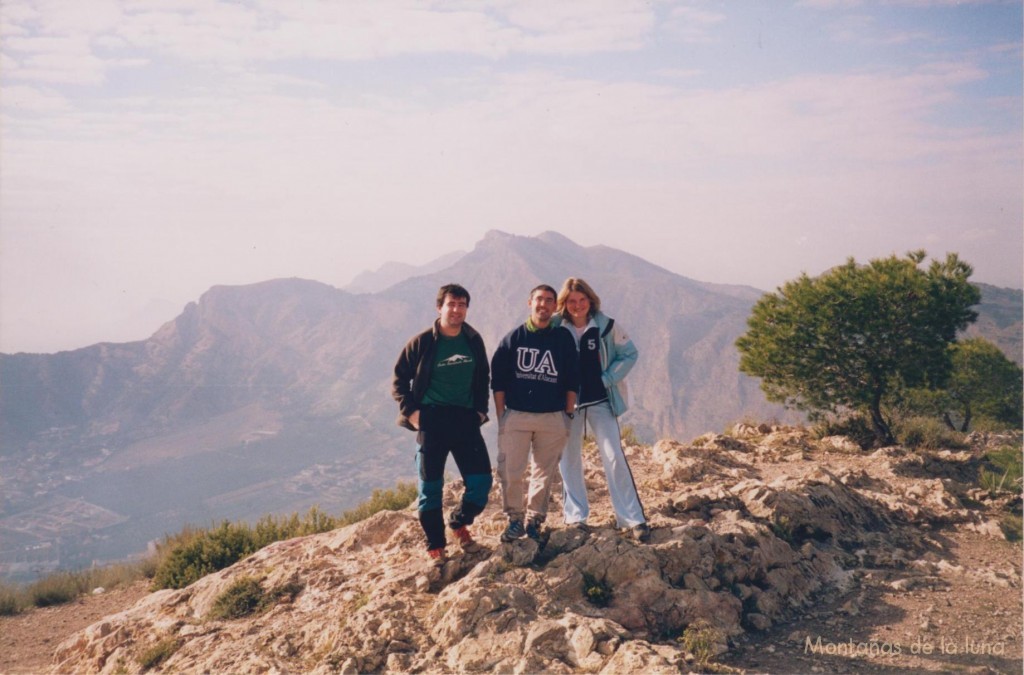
451	430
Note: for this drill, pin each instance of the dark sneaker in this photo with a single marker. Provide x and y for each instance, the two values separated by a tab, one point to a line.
455	519
513	531
465	540
533	529
580	525
437	556
642	533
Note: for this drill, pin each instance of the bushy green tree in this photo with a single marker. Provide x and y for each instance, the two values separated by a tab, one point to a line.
983	383
842	340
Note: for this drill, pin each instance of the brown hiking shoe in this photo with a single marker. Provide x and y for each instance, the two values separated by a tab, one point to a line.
466	540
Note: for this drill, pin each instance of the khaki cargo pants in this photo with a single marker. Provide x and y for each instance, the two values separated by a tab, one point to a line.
519	433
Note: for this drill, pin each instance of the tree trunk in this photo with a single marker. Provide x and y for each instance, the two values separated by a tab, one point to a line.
967	418
948	421
883	434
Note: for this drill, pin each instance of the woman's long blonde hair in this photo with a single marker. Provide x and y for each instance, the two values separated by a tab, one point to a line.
579	285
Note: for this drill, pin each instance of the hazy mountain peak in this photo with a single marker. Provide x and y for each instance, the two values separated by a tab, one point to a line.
391	273
553	238
493	236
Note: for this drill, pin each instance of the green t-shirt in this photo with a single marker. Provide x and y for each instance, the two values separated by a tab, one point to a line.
451	382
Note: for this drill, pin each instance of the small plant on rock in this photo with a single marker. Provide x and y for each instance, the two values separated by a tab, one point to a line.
700	638
1004	467
782	526
1012	526
596	591
243	597
158	653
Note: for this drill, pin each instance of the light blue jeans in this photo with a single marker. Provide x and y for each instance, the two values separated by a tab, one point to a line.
625	500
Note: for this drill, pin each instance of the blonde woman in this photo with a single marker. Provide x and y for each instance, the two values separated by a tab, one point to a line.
606	356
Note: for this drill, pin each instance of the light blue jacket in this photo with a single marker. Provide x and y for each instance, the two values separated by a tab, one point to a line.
618	356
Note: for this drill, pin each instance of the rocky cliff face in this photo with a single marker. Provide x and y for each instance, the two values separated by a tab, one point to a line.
749	529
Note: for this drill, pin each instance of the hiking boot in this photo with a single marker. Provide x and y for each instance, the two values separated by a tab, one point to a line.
533	529
465	540
513	531
437	556
641	532
580	526
455	519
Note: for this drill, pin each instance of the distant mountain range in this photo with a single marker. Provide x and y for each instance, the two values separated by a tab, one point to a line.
391	273
272	397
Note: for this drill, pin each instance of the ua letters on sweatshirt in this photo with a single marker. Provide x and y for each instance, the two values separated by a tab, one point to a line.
535	368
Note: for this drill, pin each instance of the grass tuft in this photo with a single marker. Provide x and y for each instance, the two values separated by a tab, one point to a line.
1002	470
700	638
12	600
158	653
245	596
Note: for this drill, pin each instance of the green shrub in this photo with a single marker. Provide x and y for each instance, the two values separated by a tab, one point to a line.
193	556
114	576
856	427
700	638
782	526
928	433
56	589
12	600
158	653
596	591
395	499
1002	470
243	597
193	553
1012	526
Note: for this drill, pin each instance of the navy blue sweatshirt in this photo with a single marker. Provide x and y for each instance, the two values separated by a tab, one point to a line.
535	369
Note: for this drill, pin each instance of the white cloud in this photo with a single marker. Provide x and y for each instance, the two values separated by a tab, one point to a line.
67	60
59	36
8	64
291	138
19	100
693	24
829	4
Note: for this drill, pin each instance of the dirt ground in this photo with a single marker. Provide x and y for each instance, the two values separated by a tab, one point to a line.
28	640
966	617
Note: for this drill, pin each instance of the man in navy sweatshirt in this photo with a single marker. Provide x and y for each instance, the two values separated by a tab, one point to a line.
534	376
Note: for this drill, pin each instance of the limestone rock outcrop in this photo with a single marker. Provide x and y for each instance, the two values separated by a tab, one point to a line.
748	529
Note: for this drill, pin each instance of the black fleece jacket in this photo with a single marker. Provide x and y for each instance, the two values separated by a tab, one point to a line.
416	363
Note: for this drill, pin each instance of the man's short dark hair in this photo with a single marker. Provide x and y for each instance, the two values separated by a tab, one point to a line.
544	287
453	290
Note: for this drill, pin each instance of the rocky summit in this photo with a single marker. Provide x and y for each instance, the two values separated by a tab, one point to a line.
750	530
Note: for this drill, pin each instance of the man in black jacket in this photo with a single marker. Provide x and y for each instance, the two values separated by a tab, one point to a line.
441	385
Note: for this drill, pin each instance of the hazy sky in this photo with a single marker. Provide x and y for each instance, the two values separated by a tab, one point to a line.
154	148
